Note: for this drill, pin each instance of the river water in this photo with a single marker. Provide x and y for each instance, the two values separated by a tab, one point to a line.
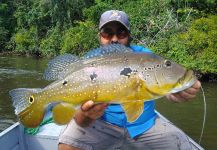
27	72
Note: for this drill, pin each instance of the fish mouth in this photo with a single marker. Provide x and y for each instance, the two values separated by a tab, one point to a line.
23	113
30	119
185	82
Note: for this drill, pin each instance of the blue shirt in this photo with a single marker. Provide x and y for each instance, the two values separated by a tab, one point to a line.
114	113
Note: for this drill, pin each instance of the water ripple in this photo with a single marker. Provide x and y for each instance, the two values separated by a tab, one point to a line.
14	71
5	123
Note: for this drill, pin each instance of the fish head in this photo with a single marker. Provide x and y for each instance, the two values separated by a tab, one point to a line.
174	76
167	76
27	106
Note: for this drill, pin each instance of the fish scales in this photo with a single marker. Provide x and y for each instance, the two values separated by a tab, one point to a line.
115	76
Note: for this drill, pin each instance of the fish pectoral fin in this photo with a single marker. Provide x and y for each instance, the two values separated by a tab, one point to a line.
63	113
133	110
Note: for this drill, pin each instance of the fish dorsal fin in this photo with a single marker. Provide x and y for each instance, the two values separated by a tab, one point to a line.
63	113
133	110
58	65
107	50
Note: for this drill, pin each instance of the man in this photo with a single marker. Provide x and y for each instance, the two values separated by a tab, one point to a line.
103	126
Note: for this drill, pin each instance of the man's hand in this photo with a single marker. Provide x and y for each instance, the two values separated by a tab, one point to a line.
185	95
89	112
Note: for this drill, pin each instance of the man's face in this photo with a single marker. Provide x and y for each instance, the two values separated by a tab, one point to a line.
114	32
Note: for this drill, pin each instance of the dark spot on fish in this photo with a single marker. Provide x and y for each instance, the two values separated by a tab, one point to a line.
157	66
126	72
150	68
125	58
167	63
93	76
93	64
65	82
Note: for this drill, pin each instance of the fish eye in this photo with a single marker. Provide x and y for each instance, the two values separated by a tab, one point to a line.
31	99
167	63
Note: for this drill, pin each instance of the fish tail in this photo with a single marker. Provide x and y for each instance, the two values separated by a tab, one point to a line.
21	98
27	108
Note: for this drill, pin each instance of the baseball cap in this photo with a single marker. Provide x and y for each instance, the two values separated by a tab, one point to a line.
114	15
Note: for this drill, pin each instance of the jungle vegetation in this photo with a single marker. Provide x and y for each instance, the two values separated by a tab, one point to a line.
182	30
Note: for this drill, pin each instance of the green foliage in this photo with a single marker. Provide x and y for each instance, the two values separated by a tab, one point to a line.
6	24
184	31
51	44
3	35
3	30
195	48
145	27
93	13
27	41
40	24
199	7
79	39
201	40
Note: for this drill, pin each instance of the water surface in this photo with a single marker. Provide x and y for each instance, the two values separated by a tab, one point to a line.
189	115
17	72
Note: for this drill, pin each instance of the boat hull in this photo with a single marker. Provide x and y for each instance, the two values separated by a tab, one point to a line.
14	138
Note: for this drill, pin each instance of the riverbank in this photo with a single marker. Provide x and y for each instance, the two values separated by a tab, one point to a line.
208	77
14	53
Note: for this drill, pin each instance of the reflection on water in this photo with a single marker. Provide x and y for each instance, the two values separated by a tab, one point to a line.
17	72
189	116
14	71
26	72
5	123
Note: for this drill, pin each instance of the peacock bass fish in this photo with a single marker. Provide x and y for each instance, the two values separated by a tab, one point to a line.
114	74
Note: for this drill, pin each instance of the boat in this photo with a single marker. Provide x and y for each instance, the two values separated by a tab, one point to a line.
14	138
